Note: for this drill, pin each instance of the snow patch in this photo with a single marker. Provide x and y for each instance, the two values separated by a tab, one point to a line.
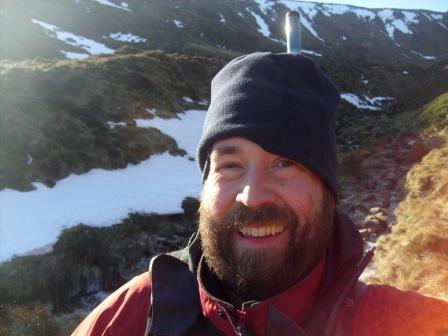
112	124
264	5
410	17
222	18
262	26
310	28
365	103
440	23
364	14
378	100
29	159
178	23
74	55
308	9
181	128
405	72
151	110
423	56
344	38
123	5
311	52
392	24
91	46
122	37
103	197
335	9
188	99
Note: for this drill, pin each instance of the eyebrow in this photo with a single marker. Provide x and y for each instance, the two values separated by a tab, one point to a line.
223	150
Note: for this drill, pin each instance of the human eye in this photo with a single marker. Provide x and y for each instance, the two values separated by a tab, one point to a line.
228	168
285	163
285	168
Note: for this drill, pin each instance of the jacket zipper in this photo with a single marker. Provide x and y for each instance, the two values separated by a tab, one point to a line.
241	324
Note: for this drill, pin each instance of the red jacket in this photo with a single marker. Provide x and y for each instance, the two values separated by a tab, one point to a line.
381	310
321	304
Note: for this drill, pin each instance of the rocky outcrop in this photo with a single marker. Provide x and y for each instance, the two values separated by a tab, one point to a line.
86	260
372	180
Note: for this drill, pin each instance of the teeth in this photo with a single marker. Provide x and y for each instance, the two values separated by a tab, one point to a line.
262	231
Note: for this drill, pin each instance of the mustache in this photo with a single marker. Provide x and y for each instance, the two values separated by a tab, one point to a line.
240	215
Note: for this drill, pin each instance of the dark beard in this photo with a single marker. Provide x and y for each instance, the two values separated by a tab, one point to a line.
256	275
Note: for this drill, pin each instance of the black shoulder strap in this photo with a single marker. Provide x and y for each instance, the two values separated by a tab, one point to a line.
348	312
327	311
174	298
175	307
189	254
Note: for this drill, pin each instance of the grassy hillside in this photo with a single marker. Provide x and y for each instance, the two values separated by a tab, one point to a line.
54	114
435	115
414	255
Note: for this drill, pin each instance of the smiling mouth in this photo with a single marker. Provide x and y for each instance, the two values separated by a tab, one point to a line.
264	231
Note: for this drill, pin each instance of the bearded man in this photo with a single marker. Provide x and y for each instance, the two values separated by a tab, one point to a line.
273	254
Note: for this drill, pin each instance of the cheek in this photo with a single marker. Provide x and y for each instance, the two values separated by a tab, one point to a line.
217	198
304	197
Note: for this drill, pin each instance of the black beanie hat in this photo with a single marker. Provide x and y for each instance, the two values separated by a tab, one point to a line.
282	102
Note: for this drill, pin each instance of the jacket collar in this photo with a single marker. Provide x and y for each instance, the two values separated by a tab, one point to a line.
293	304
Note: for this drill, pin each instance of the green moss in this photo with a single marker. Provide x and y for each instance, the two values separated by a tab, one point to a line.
435	115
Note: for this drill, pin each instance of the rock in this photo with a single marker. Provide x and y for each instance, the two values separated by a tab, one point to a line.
378	210
435	141
364	233
371	185
385	201
369	198
351	163
360	207
417	151
390	183
376	223
357	218
368	234
190	205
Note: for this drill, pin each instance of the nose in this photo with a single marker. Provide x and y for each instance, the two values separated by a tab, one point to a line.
256	190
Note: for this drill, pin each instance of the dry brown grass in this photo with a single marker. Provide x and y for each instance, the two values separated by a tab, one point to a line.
414	256
30	320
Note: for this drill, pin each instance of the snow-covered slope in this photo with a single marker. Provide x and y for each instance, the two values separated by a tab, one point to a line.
104	197
78	28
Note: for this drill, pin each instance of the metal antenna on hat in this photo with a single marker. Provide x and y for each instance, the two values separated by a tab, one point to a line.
293	34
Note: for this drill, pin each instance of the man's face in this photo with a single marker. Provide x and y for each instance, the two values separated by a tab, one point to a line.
265	220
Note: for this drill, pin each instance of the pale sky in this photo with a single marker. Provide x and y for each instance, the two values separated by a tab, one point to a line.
434	5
